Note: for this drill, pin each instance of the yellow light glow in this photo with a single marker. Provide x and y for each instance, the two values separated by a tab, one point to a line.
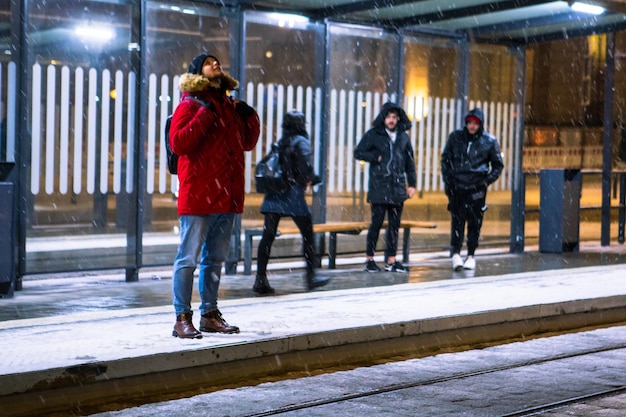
417	107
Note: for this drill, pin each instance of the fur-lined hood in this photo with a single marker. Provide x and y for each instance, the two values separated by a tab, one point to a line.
193	83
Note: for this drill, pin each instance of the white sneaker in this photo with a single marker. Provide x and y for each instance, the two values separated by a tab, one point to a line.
470	263
457	262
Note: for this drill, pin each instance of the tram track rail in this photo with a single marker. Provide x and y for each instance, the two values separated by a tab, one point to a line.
541	409
130	381
530	411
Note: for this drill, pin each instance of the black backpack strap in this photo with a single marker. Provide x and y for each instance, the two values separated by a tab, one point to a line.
203	103
289	156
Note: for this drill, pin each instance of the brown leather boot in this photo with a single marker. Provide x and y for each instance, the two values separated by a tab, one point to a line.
213	322
184	327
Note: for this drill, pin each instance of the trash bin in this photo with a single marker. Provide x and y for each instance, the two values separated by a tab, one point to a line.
7	249
559	210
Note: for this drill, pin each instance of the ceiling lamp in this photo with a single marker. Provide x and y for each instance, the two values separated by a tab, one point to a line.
587	8
95	32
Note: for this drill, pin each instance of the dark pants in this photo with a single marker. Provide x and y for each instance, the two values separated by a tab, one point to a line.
304	223
466	206
394	214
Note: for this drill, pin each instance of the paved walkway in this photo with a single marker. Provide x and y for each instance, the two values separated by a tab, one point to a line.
93	356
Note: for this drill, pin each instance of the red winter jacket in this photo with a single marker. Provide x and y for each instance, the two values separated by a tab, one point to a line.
210	142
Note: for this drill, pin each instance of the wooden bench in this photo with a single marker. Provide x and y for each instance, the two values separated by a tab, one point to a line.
346	228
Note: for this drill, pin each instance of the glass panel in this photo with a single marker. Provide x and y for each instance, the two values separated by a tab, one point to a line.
82	121
7	87
176	32
280	51
363	75
491	73
363	59
78	82
280	76
430	102
423	63
430	98
491	87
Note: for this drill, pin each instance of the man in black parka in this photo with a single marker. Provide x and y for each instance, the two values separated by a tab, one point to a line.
386	146
470	162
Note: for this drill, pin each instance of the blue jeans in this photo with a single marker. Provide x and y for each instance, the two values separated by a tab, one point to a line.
209	234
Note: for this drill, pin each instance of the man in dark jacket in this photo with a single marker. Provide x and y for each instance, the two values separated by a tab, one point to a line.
470	162
210	134
386	146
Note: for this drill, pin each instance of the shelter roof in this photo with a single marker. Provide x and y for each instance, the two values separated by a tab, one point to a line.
502	21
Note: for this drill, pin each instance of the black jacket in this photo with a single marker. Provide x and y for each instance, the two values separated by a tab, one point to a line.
295	154
471	161
388	177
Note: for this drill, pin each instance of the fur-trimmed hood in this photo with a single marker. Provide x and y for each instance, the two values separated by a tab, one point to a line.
193	83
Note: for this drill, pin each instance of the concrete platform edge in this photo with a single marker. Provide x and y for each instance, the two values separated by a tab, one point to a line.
170	374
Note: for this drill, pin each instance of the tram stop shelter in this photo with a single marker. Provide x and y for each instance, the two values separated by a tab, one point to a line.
512	23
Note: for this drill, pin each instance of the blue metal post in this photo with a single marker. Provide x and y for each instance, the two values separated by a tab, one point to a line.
518	196
607	149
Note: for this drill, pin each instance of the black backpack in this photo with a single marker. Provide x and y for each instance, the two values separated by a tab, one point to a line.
269	175
172	158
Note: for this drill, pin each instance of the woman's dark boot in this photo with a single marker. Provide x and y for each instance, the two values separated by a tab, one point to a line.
262	285
313	280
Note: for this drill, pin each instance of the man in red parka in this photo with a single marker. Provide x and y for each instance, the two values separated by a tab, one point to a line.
210	133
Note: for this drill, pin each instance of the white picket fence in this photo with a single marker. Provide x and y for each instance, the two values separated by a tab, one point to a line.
83	122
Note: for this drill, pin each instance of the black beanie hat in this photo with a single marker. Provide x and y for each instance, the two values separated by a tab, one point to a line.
195	67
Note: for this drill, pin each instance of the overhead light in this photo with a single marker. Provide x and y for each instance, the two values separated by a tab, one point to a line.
587	8
288	20
95	33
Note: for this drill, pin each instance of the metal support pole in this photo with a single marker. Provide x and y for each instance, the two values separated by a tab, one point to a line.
23	196
400	68
138	60
238	71
462	85
518	196
322	78
607	148
622	209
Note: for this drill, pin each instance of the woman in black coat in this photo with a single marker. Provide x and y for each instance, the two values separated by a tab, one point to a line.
295	158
